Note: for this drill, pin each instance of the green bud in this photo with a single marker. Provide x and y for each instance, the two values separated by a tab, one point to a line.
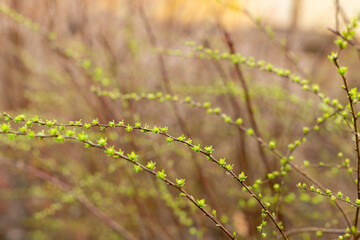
342	70
201	203
272	144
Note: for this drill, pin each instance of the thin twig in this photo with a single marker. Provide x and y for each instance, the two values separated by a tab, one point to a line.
67	188
337	8
144	168
243	160
356	136
315	229
351	42
290	56
209	155
248	102
174	106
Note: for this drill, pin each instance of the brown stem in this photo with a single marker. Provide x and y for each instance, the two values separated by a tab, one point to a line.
168	90
169	182
166	180
315	229
248	103
351	42
356	138
290	56
337	8
243	161
80	198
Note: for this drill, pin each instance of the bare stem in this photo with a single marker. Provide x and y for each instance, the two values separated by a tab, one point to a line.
356	137
174	106
67	188
248	102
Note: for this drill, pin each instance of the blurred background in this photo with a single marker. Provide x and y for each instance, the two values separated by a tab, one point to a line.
57	56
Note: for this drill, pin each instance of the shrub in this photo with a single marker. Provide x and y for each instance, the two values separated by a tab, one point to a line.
111	132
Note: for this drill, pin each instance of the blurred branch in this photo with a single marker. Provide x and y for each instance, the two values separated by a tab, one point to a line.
200	204
351	42
67	188
337	8
284	47
356	133
314	229
243	161
248	102
168	90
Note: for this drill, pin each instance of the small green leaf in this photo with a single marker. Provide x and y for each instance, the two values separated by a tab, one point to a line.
201	203
272	144
151	165
239	121
132	156
137	168
342	70
5	127
196	148
128	128
209	149
110	151
242	176
161	174
180	182
250	132
222	162
102	141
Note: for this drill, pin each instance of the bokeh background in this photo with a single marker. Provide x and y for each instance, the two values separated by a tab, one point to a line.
79	47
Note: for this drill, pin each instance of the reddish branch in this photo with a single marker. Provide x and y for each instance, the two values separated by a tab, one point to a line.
67	188
356	138
248	102
168	90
